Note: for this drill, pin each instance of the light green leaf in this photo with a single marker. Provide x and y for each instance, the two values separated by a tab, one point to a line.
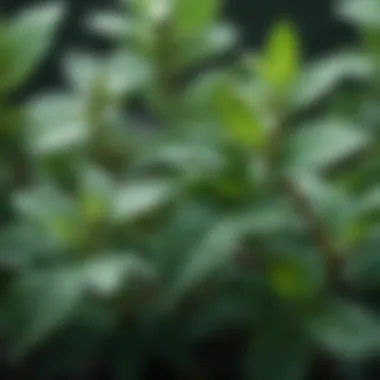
82	70
362	13
238	117
126	72
218	40
280	61
190	17
30	35
108	273
109	24
57	124
322	144
139	198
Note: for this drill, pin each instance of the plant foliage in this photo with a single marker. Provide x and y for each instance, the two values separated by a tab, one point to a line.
244	197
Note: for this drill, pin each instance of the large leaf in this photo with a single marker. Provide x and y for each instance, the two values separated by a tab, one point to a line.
323	76
346	330
322	144
30	35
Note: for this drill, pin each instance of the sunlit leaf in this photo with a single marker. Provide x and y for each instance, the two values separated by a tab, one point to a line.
280	62
238	117
139	198
192	16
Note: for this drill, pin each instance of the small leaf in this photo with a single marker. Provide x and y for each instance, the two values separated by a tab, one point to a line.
57	124
96	193
238	118
109	24
280	62
140	198
108	273
218	40
82	70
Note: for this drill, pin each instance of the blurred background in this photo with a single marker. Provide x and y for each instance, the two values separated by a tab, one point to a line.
320	30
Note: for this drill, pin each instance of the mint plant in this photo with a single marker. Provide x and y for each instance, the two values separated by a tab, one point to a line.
247	201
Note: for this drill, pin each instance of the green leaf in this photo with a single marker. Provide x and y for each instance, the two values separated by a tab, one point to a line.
51	210
346	330
140	198
30	35
362	13
109	24
213	252
335	208
108	273
22	245
238	117
190	17
363	265
292	279
45	301
97	190
323	76
322	144
57	123
280	61
218	40
82	70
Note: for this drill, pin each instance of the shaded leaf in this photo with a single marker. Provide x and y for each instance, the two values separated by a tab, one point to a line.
346	330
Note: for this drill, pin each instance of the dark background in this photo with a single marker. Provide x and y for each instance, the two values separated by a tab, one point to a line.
319	29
